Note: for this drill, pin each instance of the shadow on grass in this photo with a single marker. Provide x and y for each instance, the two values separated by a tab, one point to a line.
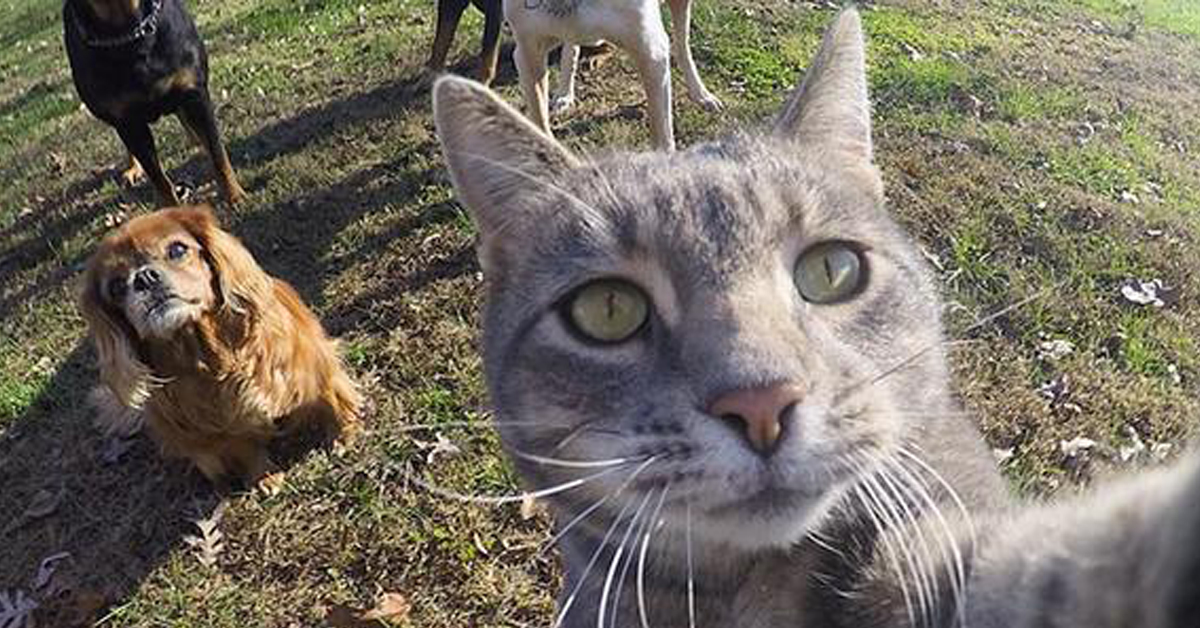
114	506
32	240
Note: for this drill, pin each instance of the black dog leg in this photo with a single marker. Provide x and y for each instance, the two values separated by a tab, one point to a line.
449	14
197	114
140	142
489	51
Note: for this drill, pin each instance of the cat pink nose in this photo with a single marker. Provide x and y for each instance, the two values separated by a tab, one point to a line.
760	411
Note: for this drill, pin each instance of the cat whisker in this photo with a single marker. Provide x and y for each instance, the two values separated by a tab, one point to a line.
642	526
572	464
590	509
820	541
566	606
958	502
691	572
615	561
885	482
424	427
922	352
507	499
931	415
608	188
892	520
655	523
920	490
580	430
888	549
592	216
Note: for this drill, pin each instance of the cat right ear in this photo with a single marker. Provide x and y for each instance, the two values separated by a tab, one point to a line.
494	154
831	107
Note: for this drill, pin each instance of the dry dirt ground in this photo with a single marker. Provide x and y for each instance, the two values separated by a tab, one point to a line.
1046	154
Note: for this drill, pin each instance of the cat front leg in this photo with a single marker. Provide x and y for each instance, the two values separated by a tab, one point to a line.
1126	554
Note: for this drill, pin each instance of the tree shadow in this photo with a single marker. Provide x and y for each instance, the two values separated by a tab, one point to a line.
33	240
113	505
38	238
116	507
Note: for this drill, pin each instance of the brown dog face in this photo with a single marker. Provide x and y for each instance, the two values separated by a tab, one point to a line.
116	12
154	274
161	273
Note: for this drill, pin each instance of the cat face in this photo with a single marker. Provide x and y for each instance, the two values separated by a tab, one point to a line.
735	332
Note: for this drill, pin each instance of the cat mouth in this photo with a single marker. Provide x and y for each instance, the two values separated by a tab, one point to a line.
773	495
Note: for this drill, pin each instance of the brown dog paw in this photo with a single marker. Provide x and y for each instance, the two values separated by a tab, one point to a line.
132	174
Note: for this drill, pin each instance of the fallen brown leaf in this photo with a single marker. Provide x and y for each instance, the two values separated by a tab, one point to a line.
391	606
43	503
391	609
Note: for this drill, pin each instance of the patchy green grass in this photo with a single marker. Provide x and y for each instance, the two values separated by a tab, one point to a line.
1038	150
1177	16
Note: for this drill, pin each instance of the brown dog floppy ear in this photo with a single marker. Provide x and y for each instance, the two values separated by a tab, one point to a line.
120	367
241	284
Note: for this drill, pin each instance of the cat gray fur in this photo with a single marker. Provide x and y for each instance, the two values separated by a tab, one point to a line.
791	537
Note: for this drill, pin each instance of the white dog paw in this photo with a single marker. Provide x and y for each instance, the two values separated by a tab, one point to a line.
561	103
708	101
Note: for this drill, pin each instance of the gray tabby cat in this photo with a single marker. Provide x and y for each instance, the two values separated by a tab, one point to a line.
724	370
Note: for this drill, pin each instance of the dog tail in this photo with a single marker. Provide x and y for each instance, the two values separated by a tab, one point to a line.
113	417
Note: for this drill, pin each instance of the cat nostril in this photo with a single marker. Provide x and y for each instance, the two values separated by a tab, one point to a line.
760	413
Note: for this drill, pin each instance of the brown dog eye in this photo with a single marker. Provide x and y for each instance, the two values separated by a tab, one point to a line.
176	250
117	287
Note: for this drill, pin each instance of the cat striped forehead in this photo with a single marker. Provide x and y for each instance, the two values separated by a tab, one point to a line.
707	215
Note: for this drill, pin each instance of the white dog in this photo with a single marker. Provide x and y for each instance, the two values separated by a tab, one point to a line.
635	25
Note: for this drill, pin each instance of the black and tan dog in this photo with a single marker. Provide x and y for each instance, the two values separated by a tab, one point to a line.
449	14
134	61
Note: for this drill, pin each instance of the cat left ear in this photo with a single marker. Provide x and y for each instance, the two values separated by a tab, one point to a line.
494	154
830	107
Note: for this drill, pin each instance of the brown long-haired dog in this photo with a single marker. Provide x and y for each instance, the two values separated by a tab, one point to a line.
215	352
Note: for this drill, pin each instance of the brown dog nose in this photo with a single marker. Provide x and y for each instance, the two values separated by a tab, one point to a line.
760	411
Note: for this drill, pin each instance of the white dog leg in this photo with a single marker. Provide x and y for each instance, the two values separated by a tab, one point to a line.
653	57
681	23
530	58
567	65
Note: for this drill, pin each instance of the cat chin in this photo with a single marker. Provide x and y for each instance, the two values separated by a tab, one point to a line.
757	529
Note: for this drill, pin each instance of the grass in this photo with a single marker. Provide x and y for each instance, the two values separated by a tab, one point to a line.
1011	135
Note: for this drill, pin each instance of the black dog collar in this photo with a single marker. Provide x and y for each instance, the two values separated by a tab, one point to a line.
145	27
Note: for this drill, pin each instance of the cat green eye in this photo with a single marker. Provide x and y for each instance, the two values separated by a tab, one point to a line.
608	310
828	273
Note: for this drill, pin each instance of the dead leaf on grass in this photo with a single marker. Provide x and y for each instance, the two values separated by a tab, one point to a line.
208	546
46	569
1145	292
391	609
16	609
440	446
43	503
528	507
1076	446
1055	349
